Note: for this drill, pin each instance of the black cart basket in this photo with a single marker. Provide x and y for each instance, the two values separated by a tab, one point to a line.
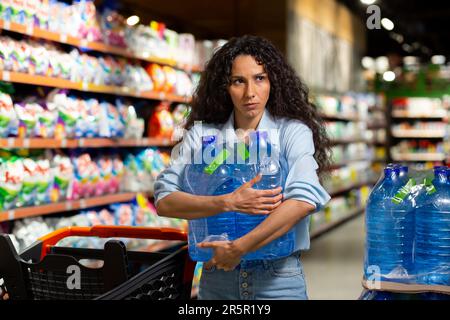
48	272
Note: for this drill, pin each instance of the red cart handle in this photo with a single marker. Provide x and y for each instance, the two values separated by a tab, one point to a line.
111	232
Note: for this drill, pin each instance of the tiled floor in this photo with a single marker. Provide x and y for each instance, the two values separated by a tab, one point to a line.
334	264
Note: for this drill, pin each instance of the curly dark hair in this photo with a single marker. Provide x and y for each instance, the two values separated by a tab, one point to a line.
288	97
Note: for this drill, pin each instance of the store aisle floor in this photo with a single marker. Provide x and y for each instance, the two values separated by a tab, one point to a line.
334	264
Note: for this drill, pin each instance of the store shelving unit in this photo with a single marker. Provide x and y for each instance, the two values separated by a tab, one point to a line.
361	120
332	225
41	143
30	30
26	212
16	77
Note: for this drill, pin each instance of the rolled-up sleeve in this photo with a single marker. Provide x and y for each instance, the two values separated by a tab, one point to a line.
170	180
302	182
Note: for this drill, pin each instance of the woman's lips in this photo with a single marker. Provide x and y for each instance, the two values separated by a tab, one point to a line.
251	105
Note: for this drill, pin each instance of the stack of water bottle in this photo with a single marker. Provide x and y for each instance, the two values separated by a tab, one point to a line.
222	167
408	227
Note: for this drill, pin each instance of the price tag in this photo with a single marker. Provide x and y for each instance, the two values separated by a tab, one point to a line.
84	43
64	143
11	142
83	204
125	89
11	214
63	38
6	76
7	25
29	30
162	95
165	141
84	86
69	205
26	143
81	143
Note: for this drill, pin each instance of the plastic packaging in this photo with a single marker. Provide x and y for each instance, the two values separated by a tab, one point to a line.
407	223
221	170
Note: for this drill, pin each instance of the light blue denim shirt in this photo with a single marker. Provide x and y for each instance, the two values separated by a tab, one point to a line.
295	143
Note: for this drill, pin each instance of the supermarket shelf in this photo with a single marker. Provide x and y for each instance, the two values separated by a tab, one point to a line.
348	141
345	189
344	163
39	143
418	157
340	117
82	43
25	212
415	133
329	226
376	126
406	114
17	77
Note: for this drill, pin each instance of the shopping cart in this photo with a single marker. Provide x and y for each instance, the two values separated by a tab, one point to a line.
48	272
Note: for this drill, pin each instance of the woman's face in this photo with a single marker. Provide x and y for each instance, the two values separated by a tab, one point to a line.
249	87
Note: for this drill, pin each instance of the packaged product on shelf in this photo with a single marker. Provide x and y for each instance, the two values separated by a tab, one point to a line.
124	214
170	76
28	114
88	24
44	181
63	173
106	183
186	49
113	27
134	126
184	84
161	123
407	220
11	180
27	194
156	73
8	118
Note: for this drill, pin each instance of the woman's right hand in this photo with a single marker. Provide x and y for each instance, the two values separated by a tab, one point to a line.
248	200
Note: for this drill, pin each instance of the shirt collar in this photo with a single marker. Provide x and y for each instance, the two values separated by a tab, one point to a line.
266	122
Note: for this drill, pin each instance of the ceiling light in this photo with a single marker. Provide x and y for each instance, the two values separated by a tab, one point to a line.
368	2
438	59
389	76
387	24
368	63
381	64
133	20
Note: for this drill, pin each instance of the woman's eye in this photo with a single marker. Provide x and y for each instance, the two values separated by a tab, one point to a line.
237	81
260	78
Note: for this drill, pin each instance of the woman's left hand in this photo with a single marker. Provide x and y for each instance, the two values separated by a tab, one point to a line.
226	254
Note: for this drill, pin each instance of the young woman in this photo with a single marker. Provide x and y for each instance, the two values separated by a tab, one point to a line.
248	85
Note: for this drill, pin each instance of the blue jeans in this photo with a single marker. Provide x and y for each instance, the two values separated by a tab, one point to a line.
280	279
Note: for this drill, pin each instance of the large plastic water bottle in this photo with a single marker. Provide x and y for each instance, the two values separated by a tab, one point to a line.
432	250
389	229
269	168
202	177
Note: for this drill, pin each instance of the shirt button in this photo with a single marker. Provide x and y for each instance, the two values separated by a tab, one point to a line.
244	274
244	285
245	294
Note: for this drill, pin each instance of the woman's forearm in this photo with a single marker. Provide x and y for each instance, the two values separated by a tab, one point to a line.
184	205
275	225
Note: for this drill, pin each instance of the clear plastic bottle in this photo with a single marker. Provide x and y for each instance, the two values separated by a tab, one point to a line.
389	230
269	167
432	247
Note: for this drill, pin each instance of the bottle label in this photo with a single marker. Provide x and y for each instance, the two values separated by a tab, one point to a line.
403	192
218	160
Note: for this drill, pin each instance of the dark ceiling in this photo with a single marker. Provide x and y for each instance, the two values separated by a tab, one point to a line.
424	26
